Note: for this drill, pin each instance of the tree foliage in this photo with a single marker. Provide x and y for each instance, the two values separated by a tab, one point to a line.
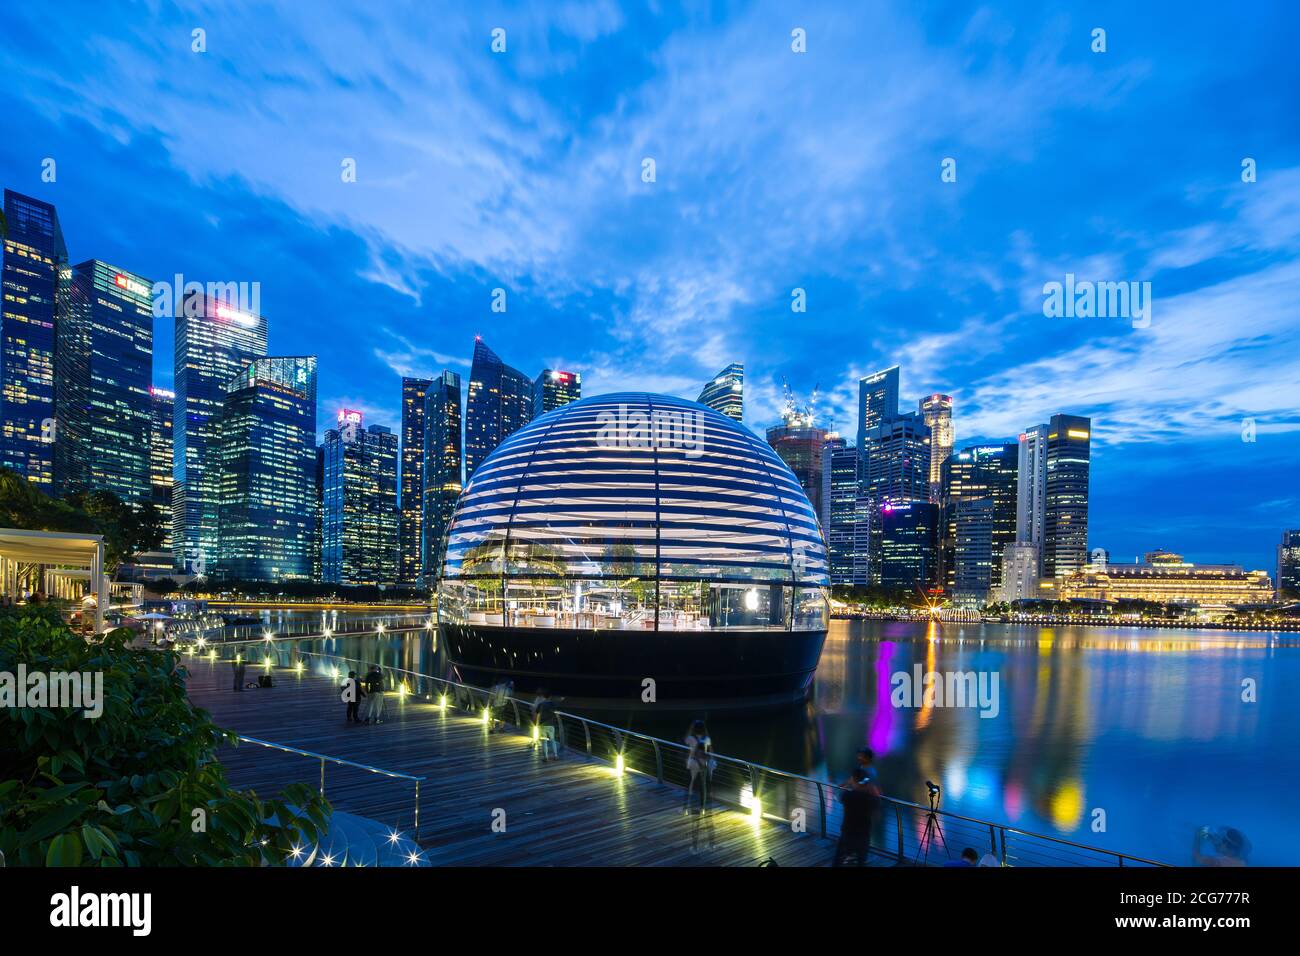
128	529
138	786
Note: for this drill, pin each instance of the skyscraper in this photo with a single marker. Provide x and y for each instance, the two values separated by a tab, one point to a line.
897	459
215	341
554	388
908	553
936	410
359	536
1288	566
974	473
877	400
844	514
1031	489
500	402
103	374
442	469
33	257
726	393
266	455
160	457
412	501
1065	518
799	444
1019	572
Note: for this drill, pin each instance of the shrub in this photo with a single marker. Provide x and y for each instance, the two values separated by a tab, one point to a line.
123	789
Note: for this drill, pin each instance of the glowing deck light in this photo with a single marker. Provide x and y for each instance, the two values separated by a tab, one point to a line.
402	689
537	733
442	702
618	765
334	673
298	667
266	662
487	714
203	642
752	802
428	625
394	836
268	635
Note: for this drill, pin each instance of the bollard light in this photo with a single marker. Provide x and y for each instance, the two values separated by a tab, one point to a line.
618	765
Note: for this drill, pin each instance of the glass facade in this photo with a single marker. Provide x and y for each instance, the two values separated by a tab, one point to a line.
726	393
981	471
34	256
410	560
442	469
635	512
160	457
1065	512
553	388
1288	566
215	341
936	410
359	504
908	545
103	377
500	402
266	452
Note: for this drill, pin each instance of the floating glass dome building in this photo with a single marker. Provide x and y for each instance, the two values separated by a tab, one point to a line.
629	537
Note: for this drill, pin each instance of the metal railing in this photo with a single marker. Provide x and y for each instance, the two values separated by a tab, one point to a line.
899	829
326	758
315	628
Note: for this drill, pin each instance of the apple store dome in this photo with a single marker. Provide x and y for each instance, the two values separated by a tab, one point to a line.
634	511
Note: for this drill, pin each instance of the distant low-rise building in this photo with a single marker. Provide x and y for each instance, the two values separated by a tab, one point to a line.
1166	578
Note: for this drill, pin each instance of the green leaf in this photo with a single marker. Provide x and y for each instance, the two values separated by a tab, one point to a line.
54	821
65	850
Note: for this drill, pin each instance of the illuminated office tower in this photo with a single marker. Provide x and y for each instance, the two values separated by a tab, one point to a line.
317	489
936	410
1031	489
500	402
34	257
215	341
895	470
359	504
877	401
411	522
907	551
726	393
103	374
160	457
1288	567
266	453
978	472
1065	518
554	388
897	460
844	514
442	470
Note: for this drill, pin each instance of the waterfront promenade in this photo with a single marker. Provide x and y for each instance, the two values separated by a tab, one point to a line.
574	812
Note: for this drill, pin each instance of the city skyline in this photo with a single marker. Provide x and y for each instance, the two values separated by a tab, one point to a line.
1168	403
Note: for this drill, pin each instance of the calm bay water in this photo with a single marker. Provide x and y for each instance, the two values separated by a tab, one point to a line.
1146	725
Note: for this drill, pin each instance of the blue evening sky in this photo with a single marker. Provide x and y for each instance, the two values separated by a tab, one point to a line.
775	171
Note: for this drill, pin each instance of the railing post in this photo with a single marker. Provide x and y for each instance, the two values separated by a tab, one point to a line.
1003	832
417	811
659	760
898	818
322	776
821	807
587	731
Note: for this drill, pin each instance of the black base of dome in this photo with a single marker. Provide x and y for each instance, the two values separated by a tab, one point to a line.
607	668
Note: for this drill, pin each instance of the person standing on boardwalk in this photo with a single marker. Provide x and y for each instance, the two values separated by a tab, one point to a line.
545	717
238	667
352	694
700	763
860	798
374	687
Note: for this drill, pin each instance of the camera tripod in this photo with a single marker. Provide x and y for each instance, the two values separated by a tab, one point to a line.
932	828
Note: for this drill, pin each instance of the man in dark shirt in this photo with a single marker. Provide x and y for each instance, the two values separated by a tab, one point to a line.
860	798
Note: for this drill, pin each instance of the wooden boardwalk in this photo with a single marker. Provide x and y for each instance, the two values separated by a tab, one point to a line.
574	812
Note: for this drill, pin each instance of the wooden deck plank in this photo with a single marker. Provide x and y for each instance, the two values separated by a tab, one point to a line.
574	812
